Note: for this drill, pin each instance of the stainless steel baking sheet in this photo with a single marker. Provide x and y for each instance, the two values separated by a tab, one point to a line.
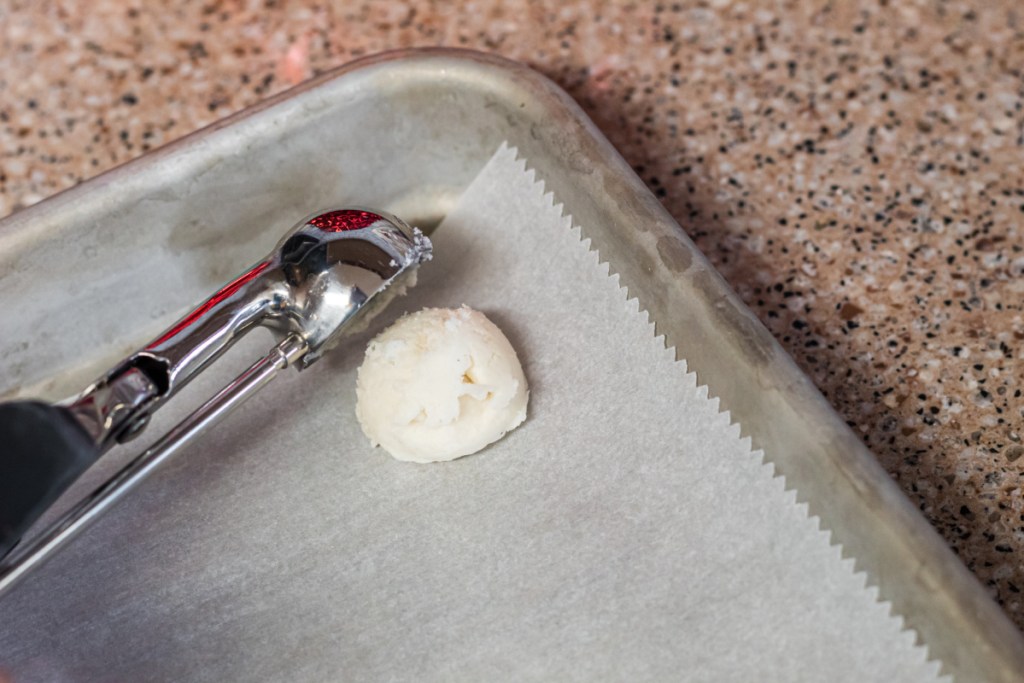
407	132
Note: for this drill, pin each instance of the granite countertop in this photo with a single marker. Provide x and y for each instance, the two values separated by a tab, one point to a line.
852	168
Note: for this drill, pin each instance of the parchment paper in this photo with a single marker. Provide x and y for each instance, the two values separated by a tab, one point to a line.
624	532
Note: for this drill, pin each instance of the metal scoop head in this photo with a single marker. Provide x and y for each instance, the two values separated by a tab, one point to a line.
339	265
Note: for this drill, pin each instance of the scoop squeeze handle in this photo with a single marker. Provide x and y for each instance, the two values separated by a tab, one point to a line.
43	450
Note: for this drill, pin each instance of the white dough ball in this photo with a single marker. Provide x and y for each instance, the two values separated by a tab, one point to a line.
440	384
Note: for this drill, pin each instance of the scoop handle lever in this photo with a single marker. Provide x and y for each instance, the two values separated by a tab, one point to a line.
43	449
78	518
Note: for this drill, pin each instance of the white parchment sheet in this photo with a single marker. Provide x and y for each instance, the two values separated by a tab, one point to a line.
625	532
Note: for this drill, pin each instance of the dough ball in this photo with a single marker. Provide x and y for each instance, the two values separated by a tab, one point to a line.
440	384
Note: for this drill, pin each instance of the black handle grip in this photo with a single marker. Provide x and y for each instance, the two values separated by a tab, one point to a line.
42	451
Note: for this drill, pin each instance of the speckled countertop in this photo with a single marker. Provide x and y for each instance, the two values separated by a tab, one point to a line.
854	169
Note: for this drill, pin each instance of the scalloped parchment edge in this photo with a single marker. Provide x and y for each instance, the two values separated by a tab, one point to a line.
633	305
